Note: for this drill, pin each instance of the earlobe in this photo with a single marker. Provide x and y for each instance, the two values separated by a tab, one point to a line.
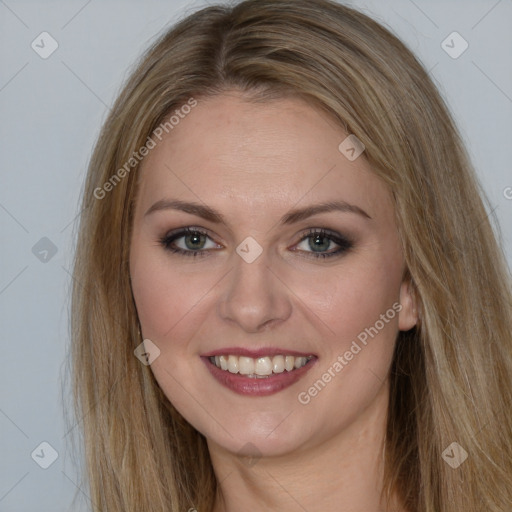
408	316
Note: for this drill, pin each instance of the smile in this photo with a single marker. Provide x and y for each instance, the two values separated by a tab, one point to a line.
261	367
262	375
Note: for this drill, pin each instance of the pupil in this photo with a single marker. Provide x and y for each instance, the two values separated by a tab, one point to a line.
318	245
197	239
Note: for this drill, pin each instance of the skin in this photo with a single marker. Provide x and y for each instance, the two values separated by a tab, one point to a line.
253	163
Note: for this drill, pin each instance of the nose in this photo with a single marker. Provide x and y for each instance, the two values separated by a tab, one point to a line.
254	297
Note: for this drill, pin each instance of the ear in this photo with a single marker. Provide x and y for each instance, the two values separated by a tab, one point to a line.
408	315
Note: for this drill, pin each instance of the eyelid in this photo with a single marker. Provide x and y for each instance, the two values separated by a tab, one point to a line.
185	230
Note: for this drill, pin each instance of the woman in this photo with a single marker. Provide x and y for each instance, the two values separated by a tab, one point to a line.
284	299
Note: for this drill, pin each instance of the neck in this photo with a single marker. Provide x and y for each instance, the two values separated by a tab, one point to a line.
342	473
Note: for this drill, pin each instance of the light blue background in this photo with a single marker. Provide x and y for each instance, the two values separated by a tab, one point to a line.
50	114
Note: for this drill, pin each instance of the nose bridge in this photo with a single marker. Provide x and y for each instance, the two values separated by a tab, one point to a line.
253	296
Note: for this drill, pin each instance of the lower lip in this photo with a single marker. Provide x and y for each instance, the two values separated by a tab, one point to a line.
257	387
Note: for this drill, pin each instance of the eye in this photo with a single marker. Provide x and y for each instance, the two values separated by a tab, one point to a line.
317	243
320	243
188	242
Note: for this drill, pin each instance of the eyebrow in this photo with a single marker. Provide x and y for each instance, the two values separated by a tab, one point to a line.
291	217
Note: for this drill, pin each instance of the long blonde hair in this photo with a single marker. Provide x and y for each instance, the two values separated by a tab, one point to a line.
451	378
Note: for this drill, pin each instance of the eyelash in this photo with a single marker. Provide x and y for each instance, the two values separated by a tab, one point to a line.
344	243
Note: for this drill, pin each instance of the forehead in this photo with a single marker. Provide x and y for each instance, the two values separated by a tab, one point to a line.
260	155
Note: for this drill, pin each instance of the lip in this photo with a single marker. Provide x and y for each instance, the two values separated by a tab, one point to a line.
253	386
255	353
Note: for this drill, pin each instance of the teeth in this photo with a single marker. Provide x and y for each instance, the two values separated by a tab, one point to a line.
261	367
278	364
232	364
246	365
300	361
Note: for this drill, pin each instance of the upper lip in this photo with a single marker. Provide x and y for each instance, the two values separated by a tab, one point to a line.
256	353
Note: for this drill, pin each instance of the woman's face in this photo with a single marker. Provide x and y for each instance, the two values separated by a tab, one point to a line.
268	278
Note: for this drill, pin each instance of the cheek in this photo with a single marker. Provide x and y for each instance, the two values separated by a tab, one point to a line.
351	298
164	297
342	301
154	296
361	312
